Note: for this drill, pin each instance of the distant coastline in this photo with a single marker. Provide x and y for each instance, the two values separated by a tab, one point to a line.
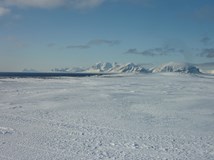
46	74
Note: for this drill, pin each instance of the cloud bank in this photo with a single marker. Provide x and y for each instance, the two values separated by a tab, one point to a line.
103	41
78	46
209	53
95	42
155	51
206	40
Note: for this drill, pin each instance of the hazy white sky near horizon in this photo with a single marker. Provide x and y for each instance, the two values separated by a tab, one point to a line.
45	34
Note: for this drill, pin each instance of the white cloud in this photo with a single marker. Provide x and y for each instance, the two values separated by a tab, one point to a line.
5	5
205	13
103	41
82	4
4	11
78	4
34	3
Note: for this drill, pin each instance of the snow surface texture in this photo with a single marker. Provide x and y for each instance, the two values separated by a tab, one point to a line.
134	68
127	117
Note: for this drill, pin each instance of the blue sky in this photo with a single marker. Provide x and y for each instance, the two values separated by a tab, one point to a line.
46	34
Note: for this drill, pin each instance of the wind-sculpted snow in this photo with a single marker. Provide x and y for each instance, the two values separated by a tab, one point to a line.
5	130
118	117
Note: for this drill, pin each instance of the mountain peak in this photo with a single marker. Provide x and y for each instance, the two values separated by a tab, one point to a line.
177	67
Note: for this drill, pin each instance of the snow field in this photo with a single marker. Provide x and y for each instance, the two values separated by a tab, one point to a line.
131	116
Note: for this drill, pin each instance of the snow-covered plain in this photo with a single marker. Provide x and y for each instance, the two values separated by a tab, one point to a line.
130	117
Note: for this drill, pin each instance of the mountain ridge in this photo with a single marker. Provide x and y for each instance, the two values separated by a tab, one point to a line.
107	67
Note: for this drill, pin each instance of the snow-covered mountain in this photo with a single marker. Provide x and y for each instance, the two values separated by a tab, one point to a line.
118	68
176	67
130	68
102	67
106	67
